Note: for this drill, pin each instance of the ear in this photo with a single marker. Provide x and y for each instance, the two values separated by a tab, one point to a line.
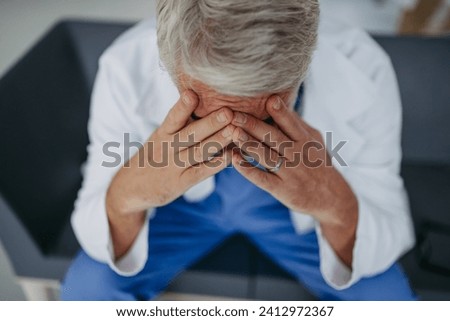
290	96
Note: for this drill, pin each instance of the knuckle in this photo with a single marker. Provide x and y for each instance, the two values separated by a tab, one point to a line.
228	113
212	120
251	123
195	174
157	134
311	129
172	114
198	155
190	132
263	179
236	133
317	134
163	196
229	130
162	199
211	147
172	117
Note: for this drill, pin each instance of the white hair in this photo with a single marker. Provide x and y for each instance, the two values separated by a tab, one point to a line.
238	47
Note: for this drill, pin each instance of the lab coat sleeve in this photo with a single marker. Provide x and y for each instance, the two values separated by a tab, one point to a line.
111	119
384	229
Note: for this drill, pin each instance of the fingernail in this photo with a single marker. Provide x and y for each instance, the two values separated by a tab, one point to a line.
243	137
240	118
226	132
187	100
221	117
277	104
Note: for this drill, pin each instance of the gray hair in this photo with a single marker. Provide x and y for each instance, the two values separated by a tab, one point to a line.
238	47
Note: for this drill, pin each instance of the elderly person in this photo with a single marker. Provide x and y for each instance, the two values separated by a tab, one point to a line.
260	122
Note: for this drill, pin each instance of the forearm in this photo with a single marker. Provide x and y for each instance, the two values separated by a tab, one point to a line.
342	240
124	229
124	223
341	233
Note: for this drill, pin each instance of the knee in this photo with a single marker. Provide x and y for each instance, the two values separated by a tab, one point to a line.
397	286
88	279
390	285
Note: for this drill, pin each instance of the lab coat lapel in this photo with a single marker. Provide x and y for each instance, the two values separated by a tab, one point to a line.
158	99
336	93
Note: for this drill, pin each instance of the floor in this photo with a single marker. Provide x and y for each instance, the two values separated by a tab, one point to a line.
23	22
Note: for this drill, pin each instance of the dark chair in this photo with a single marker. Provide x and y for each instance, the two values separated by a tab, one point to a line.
44	108
423	73
44	104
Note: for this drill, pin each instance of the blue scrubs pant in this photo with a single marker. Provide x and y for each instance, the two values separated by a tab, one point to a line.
183	232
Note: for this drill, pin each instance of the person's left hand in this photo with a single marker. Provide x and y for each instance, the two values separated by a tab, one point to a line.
299	169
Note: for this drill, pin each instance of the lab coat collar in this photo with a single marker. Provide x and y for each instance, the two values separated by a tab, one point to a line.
159	98
335	85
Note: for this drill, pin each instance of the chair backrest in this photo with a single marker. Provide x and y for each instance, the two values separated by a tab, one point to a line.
44	109
423	70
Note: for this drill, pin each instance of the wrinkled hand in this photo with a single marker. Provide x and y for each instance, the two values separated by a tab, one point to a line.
305	181
178	155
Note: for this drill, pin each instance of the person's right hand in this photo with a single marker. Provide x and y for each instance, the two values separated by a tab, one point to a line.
139	185
163	169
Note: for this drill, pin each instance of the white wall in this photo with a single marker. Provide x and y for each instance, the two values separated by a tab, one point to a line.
22	22
376	16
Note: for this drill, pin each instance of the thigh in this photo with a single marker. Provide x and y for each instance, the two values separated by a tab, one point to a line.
390	285
179	235
298	254
88	279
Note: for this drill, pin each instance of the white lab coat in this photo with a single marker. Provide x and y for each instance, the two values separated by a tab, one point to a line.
351	91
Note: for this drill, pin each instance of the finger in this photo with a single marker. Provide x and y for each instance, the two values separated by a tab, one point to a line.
263	155
201	171
203	128
203	151
287	120
180	113
269	135
260	178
